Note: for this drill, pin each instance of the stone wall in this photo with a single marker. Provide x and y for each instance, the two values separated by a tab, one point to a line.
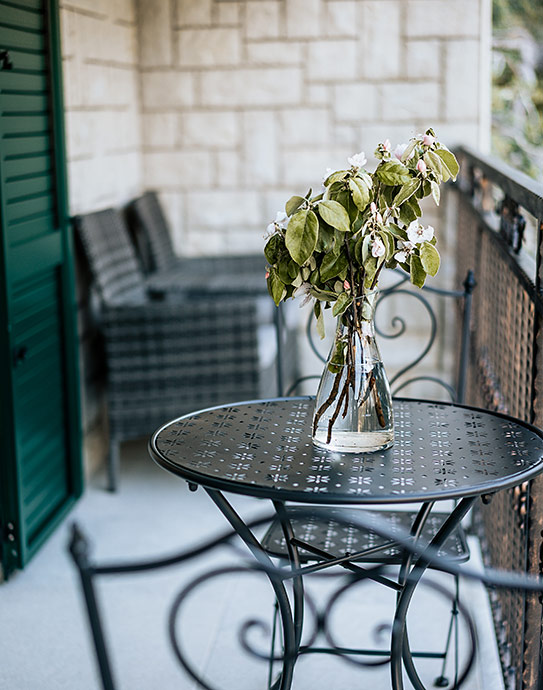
245	103
101	93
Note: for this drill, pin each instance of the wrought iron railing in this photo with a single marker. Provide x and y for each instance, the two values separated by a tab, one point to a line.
499	218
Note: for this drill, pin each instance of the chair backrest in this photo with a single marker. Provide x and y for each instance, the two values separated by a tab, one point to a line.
151	233
407	374
111	256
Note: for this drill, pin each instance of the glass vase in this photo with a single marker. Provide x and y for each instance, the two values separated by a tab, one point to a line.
353	406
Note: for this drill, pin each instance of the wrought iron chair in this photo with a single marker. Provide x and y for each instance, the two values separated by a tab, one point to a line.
169	353
319	536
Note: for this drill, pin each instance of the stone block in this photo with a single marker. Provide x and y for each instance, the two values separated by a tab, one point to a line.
260	160
96	7
459	133
303	18
356	102
409	101
301	126
318	94
73	91
163	90
252	87
228	13
210	130
227	169
202	241
68	28
423	59
346	135
176	169
96	80
80	134
306	167
246	240
155	34
262	19
331	60
193	12
123	86
274	53
208	47
123	44
442	18
173	205
340	18
124	10
222	209
160	130
462	99
92	37
379	46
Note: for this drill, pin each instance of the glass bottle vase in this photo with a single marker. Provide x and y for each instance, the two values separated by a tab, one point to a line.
353	406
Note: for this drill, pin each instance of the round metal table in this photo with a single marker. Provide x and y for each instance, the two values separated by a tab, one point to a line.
264	449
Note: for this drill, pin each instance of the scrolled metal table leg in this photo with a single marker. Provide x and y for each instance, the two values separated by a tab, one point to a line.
400	652
290	652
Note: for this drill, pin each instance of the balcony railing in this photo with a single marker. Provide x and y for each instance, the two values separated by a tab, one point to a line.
499	218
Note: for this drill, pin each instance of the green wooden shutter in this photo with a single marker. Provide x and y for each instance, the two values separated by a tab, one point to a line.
40	467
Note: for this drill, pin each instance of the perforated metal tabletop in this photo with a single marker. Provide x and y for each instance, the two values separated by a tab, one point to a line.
264	449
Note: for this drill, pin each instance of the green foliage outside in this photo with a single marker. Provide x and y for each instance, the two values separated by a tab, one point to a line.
517	94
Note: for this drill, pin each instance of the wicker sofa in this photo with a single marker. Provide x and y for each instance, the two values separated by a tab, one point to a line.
169	352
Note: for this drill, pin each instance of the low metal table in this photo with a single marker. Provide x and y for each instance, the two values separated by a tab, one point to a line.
263	449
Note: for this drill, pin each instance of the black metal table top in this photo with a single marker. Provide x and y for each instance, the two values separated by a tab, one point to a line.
264	449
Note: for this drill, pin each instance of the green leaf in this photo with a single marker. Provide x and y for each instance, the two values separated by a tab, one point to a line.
323	295
433	161
343	302
301	235
388	241
429	257
366	179
274	246
435	191
287	269
293	204
397	231
417	272
325	242
407	215
335	177
332	266
415	207
317	309
333	213
276	287
449	160
337	360
393	173
360	193
406	190
366	249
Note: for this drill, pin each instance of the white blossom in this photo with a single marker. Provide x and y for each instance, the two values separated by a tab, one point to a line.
280	222
304	290
417	233
377	247
399	151
405	250
358	160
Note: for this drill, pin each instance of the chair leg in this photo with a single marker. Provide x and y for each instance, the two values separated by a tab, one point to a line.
442	681
113	464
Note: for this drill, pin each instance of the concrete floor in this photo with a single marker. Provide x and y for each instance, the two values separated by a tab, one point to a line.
45	643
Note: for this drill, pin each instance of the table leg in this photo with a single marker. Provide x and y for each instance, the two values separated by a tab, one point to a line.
400	652
290	651
294	559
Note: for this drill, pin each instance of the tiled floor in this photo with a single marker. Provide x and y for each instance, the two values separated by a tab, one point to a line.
44	641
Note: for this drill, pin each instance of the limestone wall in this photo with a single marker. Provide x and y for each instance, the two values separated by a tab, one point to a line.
245	103
101	93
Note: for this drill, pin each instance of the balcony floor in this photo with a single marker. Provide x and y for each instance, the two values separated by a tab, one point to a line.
44	637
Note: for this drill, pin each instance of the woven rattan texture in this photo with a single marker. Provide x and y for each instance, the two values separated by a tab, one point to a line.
166	358
340	539
501	378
